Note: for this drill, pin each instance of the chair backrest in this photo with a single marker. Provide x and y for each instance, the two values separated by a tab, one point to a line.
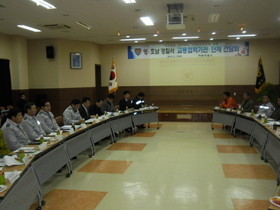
59	120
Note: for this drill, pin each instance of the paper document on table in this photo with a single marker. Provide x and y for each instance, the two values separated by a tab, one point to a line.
12	176
90	120
45	138
272	123
11	161
26	149
67	127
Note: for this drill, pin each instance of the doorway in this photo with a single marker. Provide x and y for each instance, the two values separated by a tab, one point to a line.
5	83
98	82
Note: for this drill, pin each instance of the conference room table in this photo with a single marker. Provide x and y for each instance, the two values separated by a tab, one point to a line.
58	152
258	130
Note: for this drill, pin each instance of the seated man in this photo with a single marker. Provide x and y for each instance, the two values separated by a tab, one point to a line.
248	104
228	101
30	123
276	114
107	105
266	108
94	109
125	102
138	101
84	108
71	114
46	118
14	134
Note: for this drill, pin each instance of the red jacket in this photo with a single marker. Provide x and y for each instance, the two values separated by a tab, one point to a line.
229	103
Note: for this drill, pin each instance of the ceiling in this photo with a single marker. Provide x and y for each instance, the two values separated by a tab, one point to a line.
108	17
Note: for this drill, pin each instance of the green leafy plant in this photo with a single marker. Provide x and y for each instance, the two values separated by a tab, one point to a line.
269	89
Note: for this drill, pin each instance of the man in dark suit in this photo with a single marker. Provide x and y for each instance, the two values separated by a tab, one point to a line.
94	109
84	112
125	103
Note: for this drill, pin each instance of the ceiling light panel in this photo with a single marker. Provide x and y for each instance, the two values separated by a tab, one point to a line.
147	21
186	37
213	18
84	25
242	35
135	39
44	4
129	1
29	28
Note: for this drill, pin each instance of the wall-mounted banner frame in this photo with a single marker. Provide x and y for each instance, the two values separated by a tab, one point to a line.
207	49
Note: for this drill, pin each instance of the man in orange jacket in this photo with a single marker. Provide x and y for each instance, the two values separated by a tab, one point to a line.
228	101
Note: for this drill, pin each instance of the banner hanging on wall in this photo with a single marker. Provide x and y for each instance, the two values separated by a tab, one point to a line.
208	49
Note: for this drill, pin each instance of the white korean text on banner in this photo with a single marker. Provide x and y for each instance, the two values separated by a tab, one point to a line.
209	49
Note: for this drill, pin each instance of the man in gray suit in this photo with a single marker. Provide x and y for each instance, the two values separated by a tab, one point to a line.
30	123
14	135
46	118
71	114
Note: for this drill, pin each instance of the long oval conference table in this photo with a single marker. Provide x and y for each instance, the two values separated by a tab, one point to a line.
258	131
58	153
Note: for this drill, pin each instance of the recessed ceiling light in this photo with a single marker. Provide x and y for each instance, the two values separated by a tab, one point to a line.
213	33
44	4
160	40
244	32
135	39
211	39
213	18
147	21
127	36
129	1
184	34
237	37
155	35
198	30
29	28
242	35
185	40
186	37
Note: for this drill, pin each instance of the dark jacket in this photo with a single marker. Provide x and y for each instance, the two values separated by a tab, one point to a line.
137	103
94	110
84	114
125	103
248	105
